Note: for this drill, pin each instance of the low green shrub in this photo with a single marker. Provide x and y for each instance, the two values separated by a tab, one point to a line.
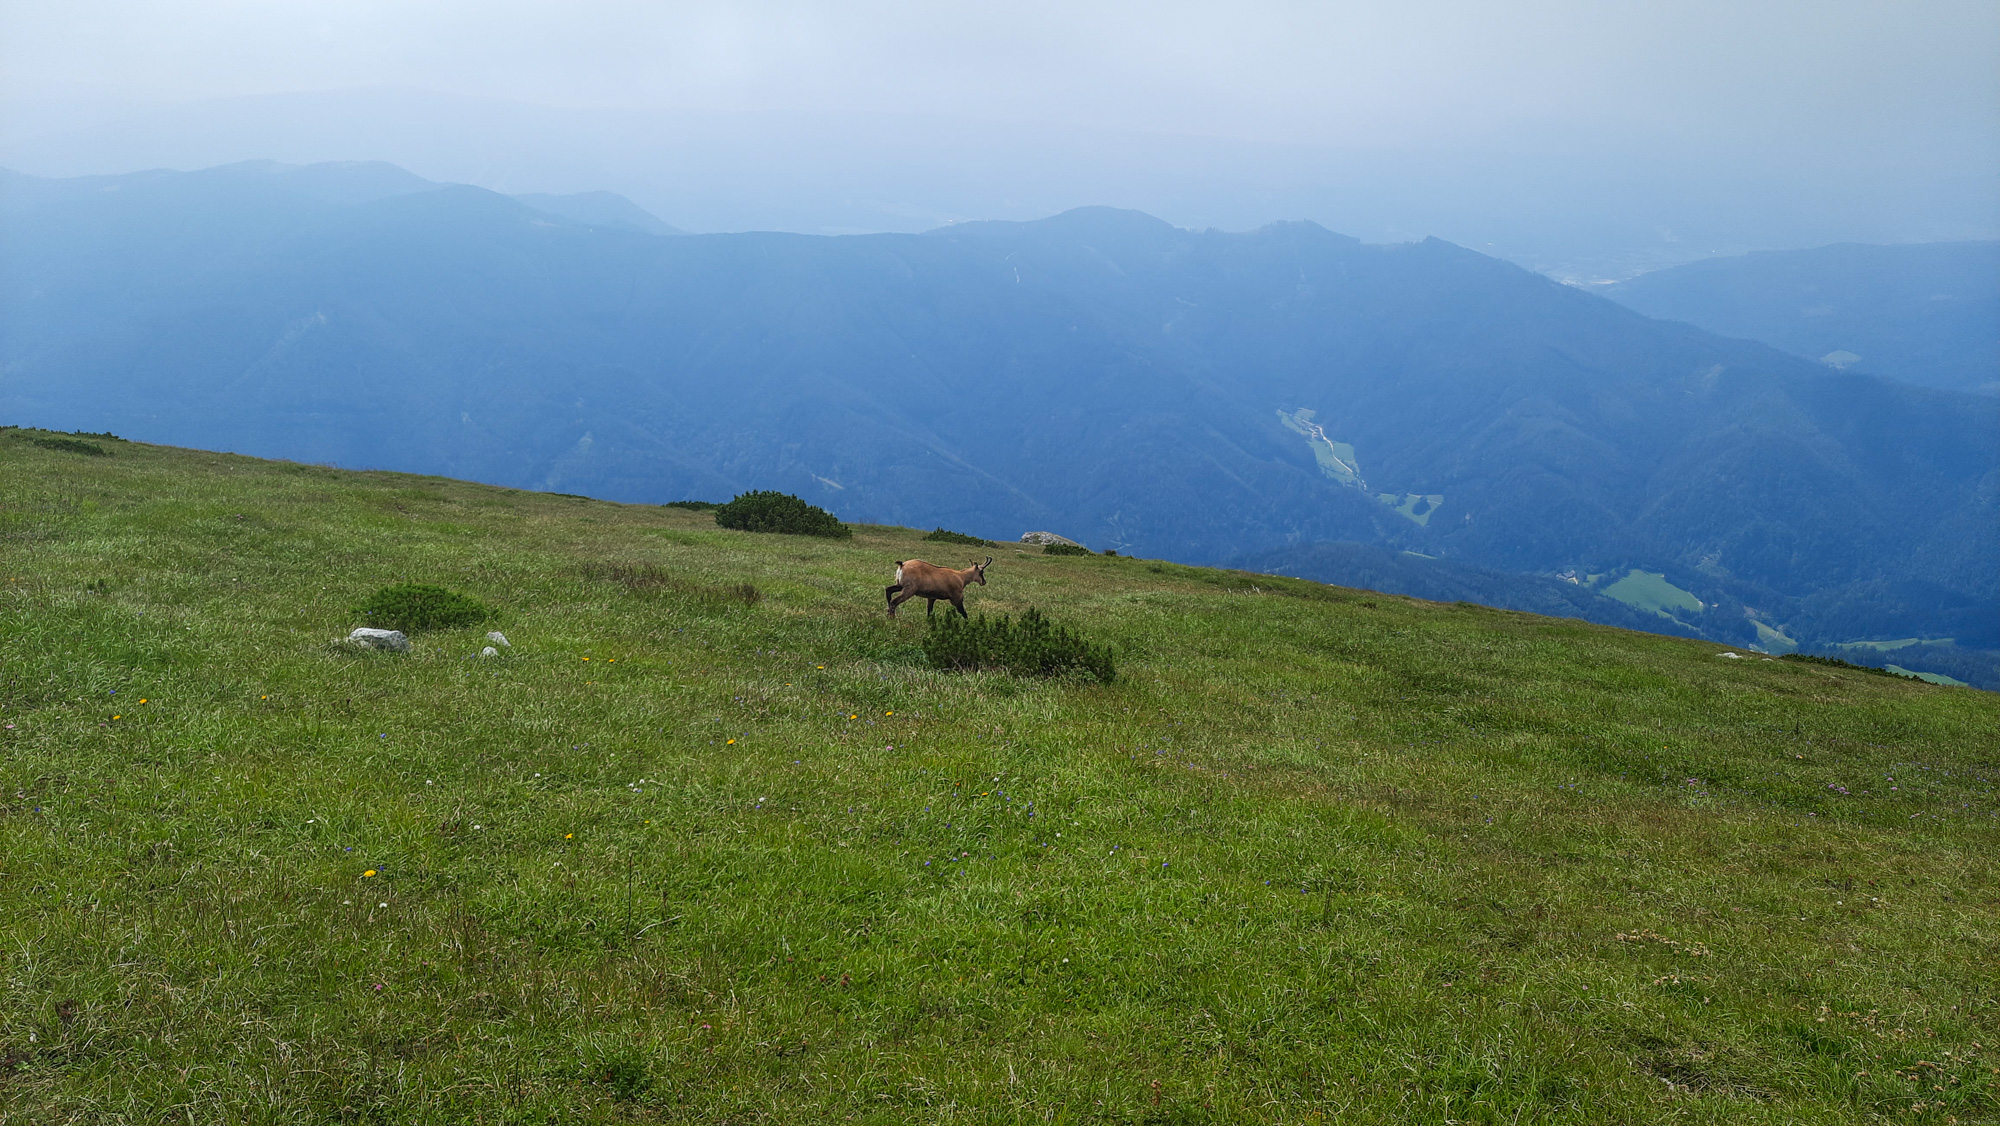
1833	662
942	536
415	607
768	511
1033	646
73	446
693	505
1065	549
101	435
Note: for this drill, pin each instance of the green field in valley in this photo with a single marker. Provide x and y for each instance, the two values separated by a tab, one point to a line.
1650	590
711	843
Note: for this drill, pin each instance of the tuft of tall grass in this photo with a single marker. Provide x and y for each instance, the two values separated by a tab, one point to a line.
651	578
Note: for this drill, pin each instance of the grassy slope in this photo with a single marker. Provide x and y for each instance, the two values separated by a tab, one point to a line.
1317	854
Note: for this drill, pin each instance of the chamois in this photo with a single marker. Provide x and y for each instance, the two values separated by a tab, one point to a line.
918	579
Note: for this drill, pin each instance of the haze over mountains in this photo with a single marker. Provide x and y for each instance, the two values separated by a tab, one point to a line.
1202	396
1592	205
1927	313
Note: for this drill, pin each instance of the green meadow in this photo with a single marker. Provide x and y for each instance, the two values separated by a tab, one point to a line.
1650	590
710	842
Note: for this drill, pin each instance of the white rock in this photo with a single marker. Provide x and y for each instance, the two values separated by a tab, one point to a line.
499	639
489	651
1731	656
391	640
1046	538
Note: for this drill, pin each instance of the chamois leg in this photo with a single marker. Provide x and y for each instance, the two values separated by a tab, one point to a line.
931	609
889	595
959	603
898	600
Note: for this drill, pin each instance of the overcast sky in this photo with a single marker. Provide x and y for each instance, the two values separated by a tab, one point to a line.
1831	85
1317	73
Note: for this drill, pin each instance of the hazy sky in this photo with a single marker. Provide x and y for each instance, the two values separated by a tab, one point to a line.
1315	73
1827	88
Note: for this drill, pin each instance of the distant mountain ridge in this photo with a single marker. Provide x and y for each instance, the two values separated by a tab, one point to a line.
345	183
1925	313
1201	396
600	209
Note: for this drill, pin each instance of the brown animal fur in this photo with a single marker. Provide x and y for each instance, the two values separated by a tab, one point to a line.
918	579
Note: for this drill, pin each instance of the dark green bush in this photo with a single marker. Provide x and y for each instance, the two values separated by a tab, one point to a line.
73	446
1033	646
768	511
1065	549
942	536
693	505
1833	662
414	607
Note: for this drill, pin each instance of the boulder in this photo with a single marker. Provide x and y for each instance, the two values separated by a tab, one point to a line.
489	651
1047	538
388	640
498	638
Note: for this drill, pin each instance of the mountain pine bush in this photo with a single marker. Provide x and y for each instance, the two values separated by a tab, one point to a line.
415	607
73	446
1034	646
1065	549
942	536
769	511
1832	663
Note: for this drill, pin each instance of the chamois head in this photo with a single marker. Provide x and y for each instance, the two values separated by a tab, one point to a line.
979	571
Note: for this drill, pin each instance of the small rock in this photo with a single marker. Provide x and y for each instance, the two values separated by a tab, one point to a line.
1047	538
389	640
499	639
489	651
1731	656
